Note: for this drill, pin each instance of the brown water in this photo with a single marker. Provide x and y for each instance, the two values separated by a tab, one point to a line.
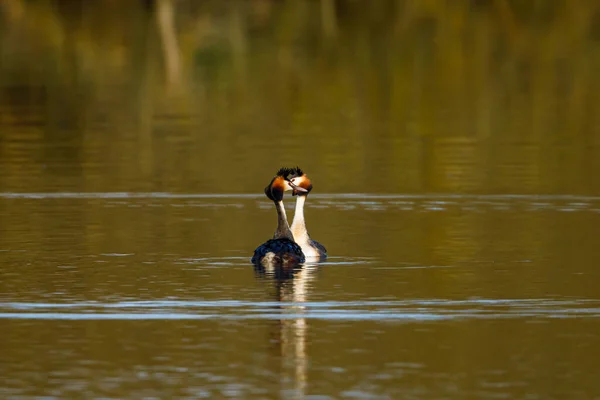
454	155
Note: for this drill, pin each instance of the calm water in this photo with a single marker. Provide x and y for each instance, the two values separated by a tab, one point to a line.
454	155
152	295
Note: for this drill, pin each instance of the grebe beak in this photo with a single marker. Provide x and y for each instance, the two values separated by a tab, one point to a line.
297	188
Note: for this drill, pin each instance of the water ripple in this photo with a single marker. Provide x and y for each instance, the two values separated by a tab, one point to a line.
166	195
341	201
423	310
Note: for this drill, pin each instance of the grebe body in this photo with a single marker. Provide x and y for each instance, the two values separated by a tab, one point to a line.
281	250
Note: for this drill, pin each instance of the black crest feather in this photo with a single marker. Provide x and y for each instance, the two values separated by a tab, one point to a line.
289	173
295	172
284	172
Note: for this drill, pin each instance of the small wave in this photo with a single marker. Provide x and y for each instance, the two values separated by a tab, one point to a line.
428	203
424	310
439	198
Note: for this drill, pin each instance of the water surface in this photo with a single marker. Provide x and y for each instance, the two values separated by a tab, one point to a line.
152	294
453	148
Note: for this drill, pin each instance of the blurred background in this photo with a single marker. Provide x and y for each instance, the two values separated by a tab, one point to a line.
454	151
387	96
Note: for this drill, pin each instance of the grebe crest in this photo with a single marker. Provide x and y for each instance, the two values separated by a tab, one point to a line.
300	183
279	184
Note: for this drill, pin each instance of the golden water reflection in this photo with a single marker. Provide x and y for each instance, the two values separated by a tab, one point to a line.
388	96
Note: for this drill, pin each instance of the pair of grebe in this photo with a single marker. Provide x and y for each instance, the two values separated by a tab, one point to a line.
289	246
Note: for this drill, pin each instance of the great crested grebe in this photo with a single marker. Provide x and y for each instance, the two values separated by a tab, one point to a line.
282	250
301	186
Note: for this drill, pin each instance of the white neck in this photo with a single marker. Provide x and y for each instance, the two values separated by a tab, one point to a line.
298	225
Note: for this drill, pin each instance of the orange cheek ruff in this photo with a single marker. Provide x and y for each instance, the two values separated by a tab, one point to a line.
278	184
277	188
305	183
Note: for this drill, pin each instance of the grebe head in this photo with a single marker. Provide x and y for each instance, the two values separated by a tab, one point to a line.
279	184
300	184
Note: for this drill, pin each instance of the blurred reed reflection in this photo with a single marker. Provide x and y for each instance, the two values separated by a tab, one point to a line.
386	96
